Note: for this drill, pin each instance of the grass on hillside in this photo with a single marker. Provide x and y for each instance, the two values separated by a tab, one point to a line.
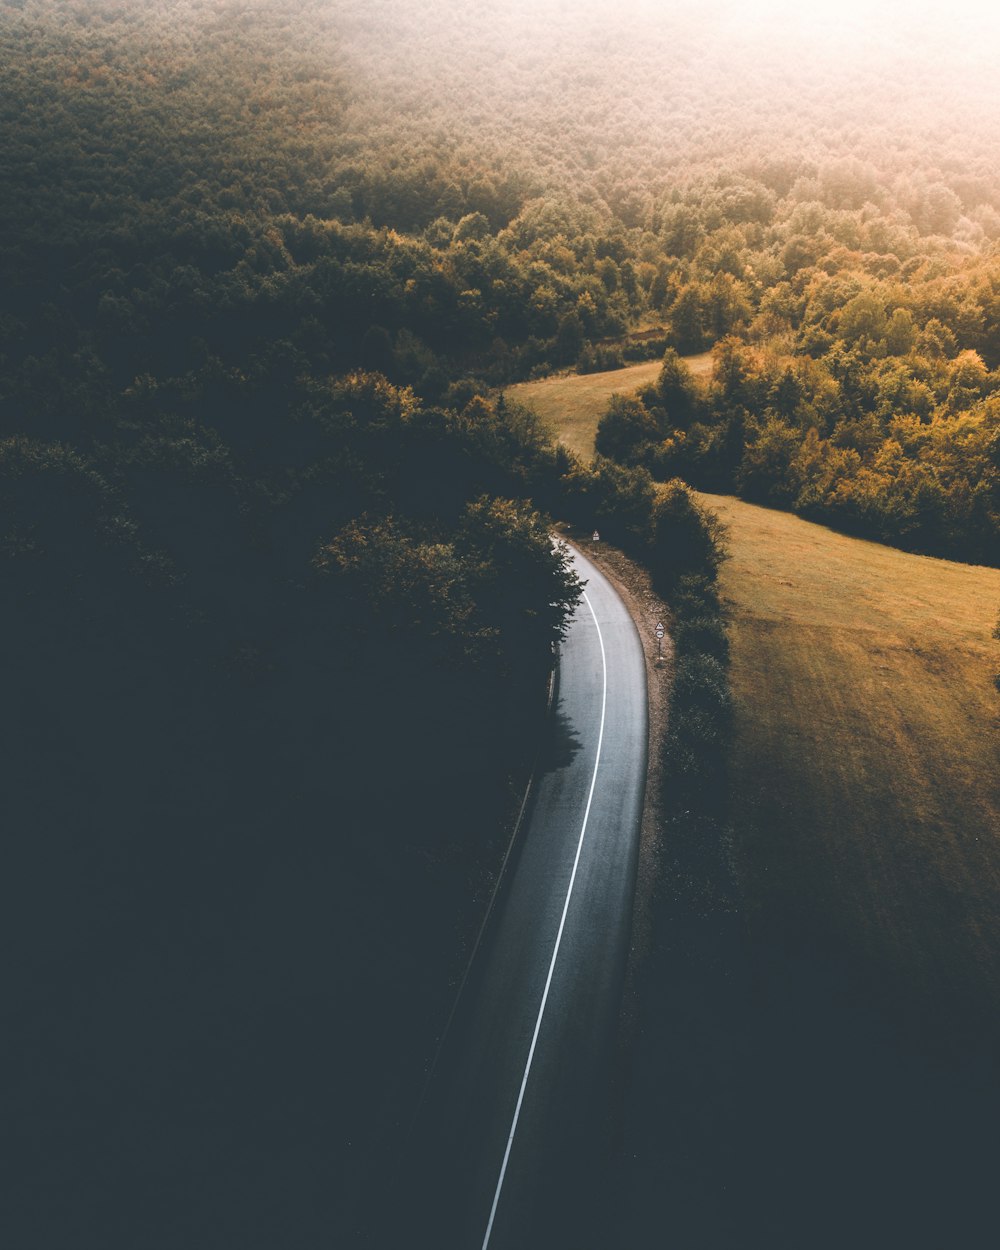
572	404
867	750
819	1068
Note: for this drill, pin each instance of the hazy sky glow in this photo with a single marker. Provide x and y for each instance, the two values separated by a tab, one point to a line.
955	44
853	27
824	15
896	63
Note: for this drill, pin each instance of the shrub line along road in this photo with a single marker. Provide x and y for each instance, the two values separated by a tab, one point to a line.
505	1152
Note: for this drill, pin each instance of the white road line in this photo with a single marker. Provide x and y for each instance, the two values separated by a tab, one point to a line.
562	925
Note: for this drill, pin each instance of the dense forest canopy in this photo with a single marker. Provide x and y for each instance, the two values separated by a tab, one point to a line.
225	196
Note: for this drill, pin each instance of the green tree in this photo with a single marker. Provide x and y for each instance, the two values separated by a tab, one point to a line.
626	430
765	470
685	538
569	338
523	585
675	391
613	498
687	319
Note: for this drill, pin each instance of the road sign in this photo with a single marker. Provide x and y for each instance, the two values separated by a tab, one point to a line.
596	538
659	629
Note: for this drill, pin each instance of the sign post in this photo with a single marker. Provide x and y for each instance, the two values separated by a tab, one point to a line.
659	640
596	538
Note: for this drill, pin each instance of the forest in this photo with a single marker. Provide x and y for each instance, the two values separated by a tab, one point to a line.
279	597
187	214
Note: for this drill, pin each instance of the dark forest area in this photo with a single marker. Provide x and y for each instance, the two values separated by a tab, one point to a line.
279	598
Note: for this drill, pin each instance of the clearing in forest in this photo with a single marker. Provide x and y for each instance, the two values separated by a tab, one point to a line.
571	404
867	756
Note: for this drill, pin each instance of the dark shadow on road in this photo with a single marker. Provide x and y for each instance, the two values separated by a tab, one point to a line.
562	745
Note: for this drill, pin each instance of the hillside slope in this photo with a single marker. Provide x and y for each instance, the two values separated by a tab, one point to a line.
819	1068
867	756
867	753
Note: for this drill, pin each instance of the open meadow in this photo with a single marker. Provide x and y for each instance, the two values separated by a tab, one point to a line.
866	758
867	755
571	404
823	1060
866	798
820	1068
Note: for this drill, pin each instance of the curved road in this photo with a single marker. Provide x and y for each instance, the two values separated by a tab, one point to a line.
505	1151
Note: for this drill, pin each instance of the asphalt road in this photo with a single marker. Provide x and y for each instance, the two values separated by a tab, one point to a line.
507	1150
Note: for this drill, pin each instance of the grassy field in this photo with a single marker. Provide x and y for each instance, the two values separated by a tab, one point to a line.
572	404
867	763
819	1067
